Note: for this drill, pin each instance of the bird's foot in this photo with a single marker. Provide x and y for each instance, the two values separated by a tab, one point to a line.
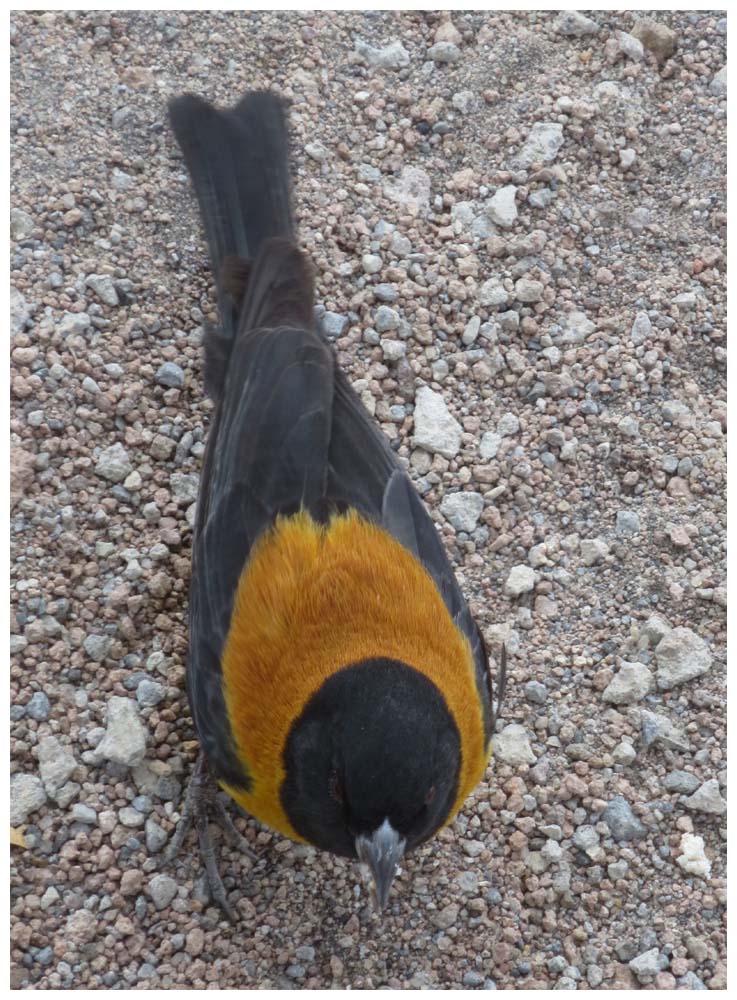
200	805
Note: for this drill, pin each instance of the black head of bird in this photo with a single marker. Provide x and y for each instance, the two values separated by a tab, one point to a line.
372	766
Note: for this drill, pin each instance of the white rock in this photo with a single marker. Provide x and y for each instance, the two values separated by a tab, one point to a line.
125	738
26	796
528	290
512	746
627	158
471	331
593	550
681	655
463	510
19	312
411	189
21	224
542	145
490	445
628	427
693	858
646	965
707	799
393	350
654	629
436	429
508	425
372	263
576	328
444	52
316	151
56	764
502	208
718	85
393	56
629	46
521	580
114	464
632	682
572	24
493	293
103	287
641	329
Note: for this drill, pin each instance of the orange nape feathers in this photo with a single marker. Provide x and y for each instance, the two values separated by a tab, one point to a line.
315	598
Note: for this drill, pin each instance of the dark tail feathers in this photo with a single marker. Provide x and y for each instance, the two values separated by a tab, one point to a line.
239	163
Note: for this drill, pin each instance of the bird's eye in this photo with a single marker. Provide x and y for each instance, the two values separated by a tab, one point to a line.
335	787
430	795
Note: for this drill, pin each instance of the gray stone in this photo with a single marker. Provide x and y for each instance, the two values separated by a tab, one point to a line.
489	445
572	24
392	350
19	312
444	52
150	692
708	799
493	293
629	46
622	822
718	85
658	728
681	655
38	707
512	746
393	56
162	889
56	764
156	836
21	224
593	550
528	290
184	486
411	189
627	523
436	429
683	782
630	684
646	965
542	145
170	375
536	692
316	151
97	647
463	510
125	738
654	629
690	981
502	208
103	287
113	463
520	581
334	324
641	329
508	425
386	319
27	795
84	814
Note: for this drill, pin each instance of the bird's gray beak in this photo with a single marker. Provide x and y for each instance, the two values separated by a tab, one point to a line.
381	851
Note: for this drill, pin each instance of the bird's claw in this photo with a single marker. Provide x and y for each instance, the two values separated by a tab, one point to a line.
200	803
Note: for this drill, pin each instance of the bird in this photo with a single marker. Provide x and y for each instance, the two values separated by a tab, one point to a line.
340	689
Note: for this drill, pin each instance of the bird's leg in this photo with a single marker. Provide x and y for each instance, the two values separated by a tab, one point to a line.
200	804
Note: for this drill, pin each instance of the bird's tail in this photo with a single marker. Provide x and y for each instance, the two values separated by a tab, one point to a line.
239	163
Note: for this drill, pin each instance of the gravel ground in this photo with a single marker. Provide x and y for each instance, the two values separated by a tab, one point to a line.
518	222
